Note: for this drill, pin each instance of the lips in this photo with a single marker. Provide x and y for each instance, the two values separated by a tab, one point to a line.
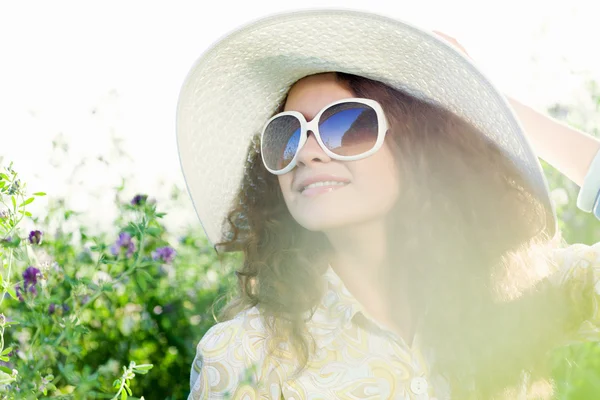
319	178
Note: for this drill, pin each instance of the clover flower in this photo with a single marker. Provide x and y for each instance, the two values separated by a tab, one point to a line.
84	299
123	242
30	275
52	308
35	237
139	199
32	289
18	291
165	254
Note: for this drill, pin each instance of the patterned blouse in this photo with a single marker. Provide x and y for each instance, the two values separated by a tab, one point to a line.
356	357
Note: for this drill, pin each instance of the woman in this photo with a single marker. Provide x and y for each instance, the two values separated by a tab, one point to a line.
397	233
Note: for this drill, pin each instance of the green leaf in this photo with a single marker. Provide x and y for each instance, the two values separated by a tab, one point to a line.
6	370
39	194
3	176
12	293
3	358
28	201
128	390
116	383
141	280
154	232
146	274
6	351
14	243
143	369
14	201
27	213
104	260
63	350
123	395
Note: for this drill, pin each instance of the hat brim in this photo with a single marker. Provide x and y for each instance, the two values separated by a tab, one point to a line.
238	82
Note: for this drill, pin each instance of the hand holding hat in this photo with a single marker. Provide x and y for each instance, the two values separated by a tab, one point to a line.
568	150
455	42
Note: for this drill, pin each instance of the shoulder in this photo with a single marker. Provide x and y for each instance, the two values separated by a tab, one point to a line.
577	252
245	329
228	351
575	260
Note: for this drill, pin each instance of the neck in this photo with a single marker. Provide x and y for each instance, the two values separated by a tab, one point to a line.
359	252
360	260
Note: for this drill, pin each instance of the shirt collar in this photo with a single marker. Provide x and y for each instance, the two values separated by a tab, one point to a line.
335	310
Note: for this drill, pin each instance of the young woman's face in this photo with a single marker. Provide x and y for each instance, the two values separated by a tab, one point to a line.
373	182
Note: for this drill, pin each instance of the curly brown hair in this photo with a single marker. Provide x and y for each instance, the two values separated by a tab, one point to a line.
467	233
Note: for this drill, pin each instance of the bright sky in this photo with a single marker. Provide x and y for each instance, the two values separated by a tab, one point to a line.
92	70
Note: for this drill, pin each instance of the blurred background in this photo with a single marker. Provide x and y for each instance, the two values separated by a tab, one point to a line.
88	93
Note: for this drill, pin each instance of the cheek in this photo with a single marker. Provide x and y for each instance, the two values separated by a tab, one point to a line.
378	176
285	184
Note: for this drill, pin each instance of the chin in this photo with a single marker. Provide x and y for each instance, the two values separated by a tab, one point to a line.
318	223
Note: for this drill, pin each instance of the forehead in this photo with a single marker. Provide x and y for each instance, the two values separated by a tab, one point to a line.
310	94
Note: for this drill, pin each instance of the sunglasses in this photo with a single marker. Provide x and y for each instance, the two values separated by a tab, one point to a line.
347	130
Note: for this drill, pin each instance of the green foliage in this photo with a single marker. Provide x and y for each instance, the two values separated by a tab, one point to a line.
82	315
576	367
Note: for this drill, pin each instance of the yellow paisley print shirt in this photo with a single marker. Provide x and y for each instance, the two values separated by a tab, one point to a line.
355	360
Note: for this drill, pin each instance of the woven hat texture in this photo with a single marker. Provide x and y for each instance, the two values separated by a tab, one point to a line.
238	82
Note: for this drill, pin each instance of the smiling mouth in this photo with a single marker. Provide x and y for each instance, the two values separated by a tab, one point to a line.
322	187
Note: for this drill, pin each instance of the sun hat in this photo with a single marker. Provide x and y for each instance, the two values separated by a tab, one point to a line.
236	84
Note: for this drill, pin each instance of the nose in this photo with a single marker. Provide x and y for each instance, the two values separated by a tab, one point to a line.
311	151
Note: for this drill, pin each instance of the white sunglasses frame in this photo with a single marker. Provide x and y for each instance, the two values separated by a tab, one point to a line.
313	126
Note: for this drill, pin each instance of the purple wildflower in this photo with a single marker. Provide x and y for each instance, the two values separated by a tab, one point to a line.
51	308
65	307
124	241
18	290
35	237
165	254
30	275
139	199
33	290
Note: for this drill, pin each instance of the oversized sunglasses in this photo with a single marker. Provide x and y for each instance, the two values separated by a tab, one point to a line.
348	129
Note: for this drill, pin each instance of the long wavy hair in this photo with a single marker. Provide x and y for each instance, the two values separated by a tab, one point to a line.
468	244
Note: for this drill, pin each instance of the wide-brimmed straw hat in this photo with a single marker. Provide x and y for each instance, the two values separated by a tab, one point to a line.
237	83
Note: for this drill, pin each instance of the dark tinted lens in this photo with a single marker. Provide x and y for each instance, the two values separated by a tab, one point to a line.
349	129
280	141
